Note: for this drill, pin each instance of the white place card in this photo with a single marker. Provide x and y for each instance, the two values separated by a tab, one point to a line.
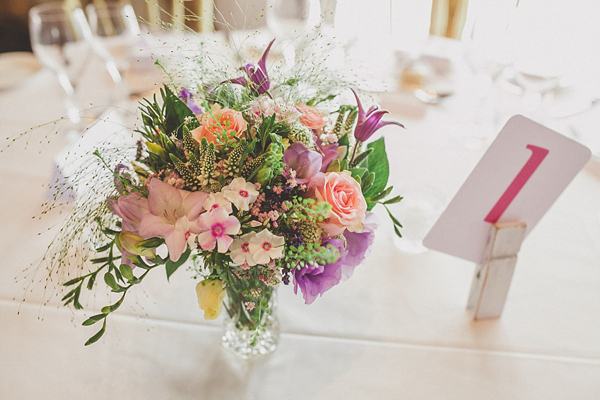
518	178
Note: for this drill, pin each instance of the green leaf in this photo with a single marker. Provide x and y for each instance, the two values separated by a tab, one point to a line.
393	200
93	319
127	272
380	195
175	113
171	266
73	281
377	163
104	248
71	293
361	157
113	307
344	141
91	281
151	243
358	173
343	165
397	231
99	260
110	281
394	220
98	334
367	182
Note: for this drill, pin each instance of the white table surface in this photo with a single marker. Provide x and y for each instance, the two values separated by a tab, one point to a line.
398	329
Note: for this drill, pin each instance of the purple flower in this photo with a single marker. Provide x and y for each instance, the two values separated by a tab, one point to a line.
121	171
306	163
329	153
188	98
314	280
258	77
358	245
370	121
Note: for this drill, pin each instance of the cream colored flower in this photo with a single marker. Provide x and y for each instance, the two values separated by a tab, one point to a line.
266	246
241	193
210	297
130	242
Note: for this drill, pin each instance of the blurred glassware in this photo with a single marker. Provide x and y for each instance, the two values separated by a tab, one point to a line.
62	40
419	209
115	25
488	53
59	38
538	91
291	21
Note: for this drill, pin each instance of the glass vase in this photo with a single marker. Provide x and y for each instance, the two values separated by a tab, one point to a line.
251	323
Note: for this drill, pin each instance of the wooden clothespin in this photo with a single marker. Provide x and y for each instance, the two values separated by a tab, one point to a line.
493	275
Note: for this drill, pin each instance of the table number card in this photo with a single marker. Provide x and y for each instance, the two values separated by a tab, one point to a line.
519	177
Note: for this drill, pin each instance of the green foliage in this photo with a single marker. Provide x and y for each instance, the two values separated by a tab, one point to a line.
377	163
175	113
172	266
311	254
361	157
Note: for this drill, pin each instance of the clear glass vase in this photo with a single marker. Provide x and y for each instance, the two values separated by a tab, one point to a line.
251	324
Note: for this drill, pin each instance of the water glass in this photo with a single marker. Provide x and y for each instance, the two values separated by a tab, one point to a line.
60	40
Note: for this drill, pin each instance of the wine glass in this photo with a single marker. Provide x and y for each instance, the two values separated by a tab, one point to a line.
289	20
115	25
59	38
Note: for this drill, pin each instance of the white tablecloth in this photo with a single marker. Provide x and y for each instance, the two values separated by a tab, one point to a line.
398	329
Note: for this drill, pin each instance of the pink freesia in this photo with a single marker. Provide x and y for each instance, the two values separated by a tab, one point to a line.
173	216
131	209
216	226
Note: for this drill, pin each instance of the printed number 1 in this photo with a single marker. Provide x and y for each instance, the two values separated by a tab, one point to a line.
537	156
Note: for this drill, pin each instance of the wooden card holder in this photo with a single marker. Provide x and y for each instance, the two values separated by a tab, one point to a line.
493	275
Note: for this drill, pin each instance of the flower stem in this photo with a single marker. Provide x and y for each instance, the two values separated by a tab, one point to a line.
356	146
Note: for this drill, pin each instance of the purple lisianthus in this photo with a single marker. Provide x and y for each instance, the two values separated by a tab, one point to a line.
370	121
258	78
306	163
315	280
188	98
358	245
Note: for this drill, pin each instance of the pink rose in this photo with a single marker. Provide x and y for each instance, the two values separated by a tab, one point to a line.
218	122
348	206
311	117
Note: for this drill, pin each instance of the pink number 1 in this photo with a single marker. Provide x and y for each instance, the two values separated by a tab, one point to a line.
537	156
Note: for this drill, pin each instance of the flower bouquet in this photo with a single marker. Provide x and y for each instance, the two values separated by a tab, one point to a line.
257	189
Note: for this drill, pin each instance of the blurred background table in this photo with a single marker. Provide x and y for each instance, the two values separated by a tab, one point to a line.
397	329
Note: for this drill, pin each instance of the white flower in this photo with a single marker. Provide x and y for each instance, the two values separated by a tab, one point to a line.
215	200
265	246
240	193
240	250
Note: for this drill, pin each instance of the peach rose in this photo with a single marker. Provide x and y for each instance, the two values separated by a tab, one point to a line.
311	117
219	121
348	206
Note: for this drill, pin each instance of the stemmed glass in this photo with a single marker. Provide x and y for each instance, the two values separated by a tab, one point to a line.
59	38
115	25
488	53
289	20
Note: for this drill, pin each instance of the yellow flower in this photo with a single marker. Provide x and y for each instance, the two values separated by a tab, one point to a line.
210	297
130	242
